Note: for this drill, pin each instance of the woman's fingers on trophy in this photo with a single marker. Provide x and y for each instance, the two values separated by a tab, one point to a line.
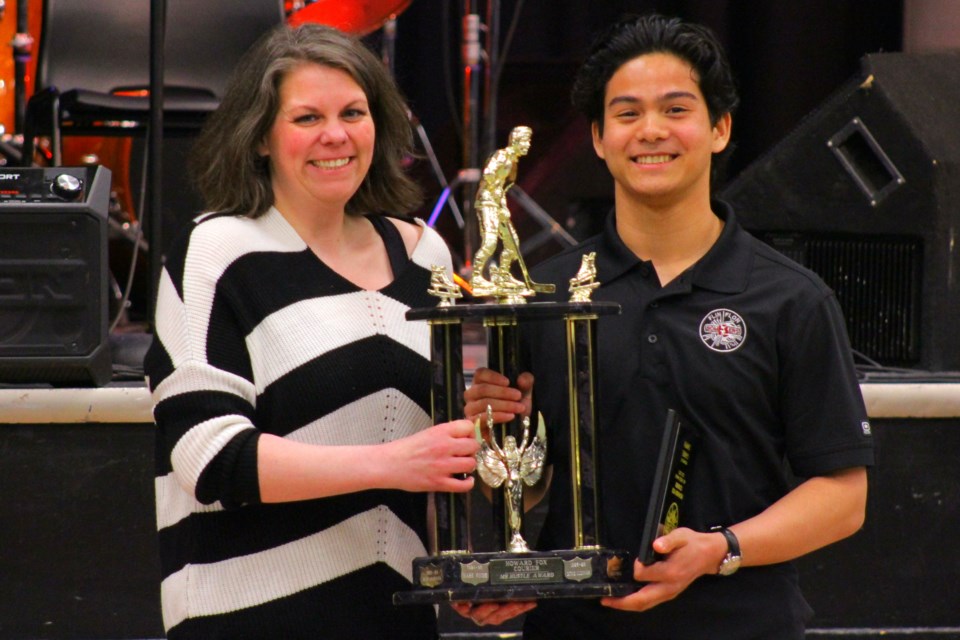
462	456
463	445
457	483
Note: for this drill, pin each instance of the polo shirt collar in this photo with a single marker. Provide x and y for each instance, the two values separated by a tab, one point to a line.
725	268
614	258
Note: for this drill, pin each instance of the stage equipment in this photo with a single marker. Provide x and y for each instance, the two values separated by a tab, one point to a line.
865	192
513	454
482	65
95	80
53	275
359	17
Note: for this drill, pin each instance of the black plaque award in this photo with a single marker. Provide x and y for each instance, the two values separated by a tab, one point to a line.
512	454
670	484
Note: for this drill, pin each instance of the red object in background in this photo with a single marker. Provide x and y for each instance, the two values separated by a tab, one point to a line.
358	17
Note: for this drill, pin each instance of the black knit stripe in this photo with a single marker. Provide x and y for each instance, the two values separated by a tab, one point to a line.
177	414
373	364
231	477
157	362
174	261
412	288
293	276
342	615
224	333
224	534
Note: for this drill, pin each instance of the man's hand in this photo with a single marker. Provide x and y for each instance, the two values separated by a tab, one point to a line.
493	389
491	613
689	555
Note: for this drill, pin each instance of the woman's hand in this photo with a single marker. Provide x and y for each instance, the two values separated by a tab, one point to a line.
435	459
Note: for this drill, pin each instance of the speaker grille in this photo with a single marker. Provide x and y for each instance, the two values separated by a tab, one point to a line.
878	283
53	278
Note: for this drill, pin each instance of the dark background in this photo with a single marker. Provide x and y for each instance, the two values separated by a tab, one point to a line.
787	58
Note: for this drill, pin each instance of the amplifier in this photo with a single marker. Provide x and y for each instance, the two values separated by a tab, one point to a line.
54	275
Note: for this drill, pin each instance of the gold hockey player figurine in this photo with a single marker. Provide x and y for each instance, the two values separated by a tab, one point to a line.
495	227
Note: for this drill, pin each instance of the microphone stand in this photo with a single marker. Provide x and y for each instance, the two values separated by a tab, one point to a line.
469	177
22	44
158	16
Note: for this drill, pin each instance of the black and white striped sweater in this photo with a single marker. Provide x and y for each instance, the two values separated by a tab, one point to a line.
255	334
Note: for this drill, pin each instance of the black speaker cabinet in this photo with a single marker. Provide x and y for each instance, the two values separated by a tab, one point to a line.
53	275
866	192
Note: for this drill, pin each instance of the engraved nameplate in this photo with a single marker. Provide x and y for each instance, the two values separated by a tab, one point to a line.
526	571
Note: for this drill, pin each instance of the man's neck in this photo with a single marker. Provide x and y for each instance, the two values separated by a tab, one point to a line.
673	236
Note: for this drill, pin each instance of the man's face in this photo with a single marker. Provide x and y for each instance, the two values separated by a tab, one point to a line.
657	138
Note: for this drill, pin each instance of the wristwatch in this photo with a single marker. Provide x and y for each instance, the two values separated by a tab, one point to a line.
731	561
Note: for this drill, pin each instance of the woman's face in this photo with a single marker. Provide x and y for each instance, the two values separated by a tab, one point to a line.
320	145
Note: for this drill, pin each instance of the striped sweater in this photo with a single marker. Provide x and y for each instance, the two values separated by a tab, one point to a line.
255	334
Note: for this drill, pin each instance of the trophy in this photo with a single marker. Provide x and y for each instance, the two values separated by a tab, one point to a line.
512	455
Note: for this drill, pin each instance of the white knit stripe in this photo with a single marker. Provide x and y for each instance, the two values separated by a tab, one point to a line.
171	320
432	250
306	330
214	246
396	415
400	417
174	503
196	448
197	376
247	581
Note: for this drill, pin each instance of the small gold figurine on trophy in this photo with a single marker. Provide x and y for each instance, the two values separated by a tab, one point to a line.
443	287
583	284
495	227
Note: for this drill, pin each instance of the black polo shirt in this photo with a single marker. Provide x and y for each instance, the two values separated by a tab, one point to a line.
752	350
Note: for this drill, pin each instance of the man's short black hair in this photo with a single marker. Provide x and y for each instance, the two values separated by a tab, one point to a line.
635	36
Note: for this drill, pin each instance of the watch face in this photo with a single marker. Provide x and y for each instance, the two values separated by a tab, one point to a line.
729	565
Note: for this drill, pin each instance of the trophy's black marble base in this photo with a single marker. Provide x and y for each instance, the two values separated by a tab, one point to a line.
501	576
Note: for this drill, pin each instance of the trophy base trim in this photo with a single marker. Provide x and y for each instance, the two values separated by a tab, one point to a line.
503	576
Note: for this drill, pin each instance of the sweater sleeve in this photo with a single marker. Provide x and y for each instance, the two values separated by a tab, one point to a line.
203	409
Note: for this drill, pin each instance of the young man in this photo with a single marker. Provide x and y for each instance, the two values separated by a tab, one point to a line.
747	346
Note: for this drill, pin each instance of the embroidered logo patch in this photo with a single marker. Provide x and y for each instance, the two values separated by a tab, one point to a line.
723	330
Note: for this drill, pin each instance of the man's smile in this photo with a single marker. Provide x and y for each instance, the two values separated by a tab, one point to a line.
651	159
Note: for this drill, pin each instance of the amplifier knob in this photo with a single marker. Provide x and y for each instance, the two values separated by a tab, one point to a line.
67	186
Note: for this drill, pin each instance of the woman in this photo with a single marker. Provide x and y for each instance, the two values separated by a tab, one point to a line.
295	443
